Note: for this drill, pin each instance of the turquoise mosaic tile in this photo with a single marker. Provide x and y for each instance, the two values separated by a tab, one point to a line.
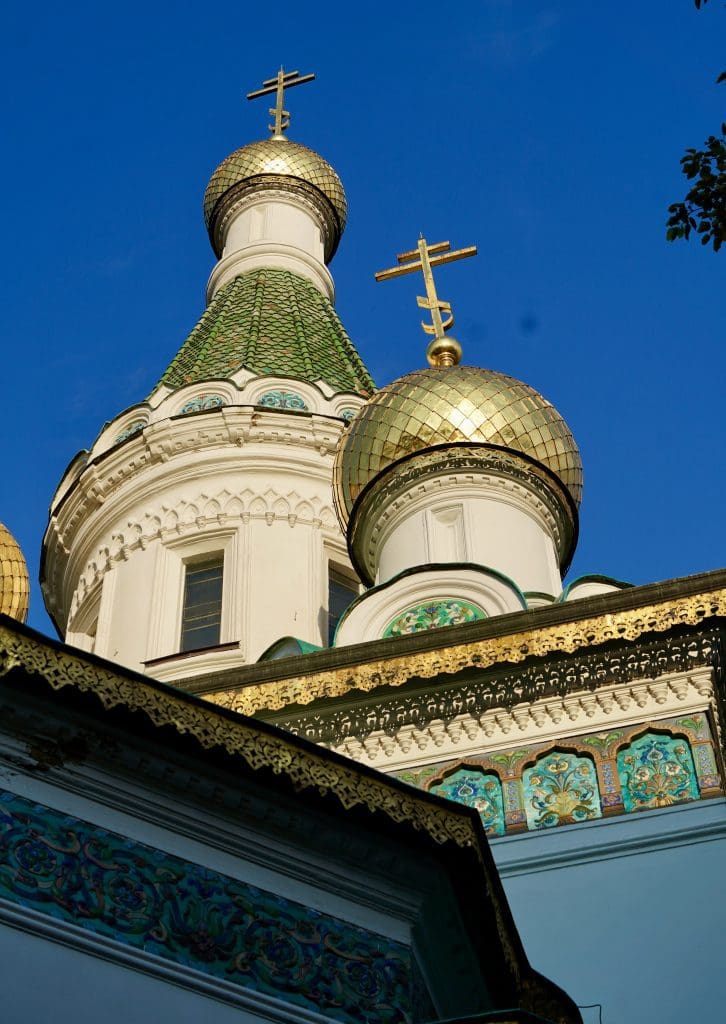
559	790
202	403
656	771
282	400
479	790
448	611
151	900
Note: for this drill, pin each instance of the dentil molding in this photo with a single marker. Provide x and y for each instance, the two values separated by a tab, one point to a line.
556	718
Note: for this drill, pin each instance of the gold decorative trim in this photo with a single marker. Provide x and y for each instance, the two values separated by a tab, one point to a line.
258	748
514	648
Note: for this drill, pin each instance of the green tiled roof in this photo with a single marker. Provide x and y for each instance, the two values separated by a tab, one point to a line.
270	321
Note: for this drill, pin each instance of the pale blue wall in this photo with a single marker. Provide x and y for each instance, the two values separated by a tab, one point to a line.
627	912
45	982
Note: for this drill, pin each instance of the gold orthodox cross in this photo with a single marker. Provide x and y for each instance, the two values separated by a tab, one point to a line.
423	258
278	84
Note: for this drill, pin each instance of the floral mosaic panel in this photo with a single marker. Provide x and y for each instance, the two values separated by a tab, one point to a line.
479	790
656	771
201	403
560	789
449	611
282	400
617	771
133	428
210	922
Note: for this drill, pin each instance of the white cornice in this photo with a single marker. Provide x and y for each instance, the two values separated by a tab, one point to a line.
117	503
552	719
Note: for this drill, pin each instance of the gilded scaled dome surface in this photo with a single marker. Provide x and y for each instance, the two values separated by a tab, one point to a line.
454	405
279	157
14	581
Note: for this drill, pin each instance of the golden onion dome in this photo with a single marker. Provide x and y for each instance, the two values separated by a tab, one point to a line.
275	159
14	581
455	405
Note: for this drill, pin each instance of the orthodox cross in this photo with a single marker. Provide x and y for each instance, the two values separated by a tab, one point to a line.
278	84
423	258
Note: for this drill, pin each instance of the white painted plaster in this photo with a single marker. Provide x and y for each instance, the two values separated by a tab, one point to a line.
368	619
475	521
271	228
252	482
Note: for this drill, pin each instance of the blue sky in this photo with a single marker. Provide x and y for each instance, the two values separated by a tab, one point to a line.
547	134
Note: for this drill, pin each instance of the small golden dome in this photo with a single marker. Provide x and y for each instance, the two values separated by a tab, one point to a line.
14	581
279	158
452	406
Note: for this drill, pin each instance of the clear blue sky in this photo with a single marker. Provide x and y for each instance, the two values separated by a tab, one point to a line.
548	134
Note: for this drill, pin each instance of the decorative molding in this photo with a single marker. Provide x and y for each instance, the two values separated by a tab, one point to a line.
555	719
77	938
408	485
157	902
513	648
257	746
188	518
282	189
538	692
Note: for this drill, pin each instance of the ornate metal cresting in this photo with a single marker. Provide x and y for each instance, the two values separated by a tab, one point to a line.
442	350
278	84
487	652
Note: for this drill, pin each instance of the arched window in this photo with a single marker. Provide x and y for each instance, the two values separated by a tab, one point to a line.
343	589
479	789
656	771
560	789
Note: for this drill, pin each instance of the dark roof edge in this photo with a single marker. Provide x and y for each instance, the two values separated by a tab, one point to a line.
556	614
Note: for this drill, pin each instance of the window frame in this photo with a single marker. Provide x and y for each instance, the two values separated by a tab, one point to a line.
213	560
169	587
344	576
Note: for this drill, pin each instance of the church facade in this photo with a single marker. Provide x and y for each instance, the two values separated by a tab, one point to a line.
270	568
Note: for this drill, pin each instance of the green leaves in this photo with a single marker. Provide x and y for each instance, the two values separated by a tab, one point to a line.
703	210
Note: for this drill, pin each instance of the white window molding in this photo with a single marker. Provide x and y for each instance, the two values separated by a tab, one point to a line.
168	589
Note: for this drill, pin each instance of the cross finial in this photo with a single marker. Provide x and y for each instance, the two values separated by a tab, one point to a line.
283	80
442	350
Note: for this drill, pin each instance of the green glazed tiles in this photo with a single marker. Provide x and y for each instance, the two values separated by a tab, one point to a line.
270	321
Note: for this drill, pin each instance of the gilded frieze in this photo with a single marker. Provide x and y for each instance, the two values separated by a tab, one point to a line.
450	659
258	747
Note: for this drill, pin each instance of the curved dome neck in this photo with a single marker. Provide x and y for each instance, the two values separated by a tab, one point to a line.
269	226
274	204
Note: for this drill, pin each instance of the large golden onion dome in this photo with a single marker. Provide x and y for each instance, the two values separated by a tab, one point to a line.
14	581
279	161
455	405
